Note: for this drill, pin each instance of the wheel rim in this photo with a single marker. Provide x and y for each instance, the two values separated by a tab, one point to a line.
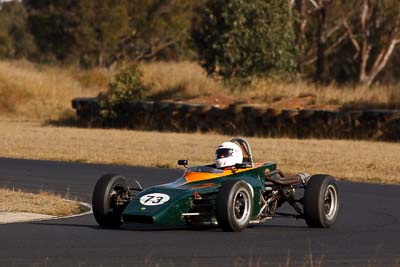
330	202
241	206
116	192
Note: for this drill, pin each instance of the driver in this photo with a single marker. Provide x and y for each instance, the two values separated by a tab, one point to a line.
227	155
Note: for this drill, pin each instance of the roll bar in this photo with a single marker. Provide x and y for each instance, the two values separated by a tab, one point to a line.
245	146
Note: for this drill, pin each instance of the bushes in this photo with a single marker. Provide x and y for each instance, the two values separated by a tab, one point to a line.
126	86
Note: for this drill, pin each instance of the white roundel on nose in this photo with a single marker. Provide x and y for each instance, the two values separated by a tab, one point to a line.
154	199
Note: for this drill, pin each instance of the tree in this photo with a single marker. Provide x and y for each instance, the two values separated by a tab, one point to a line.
53	29
15	39
5	42
101	33
86	30
320	33
374	36
157	29
241	38
346	41
100	27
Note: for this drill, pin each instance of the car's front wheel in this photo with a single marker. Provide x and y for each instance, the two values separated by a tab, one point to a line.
321	201
234	205
106	201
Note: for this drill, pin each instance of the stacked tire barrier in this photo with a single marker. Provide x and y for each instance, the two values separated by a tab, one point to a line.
383	125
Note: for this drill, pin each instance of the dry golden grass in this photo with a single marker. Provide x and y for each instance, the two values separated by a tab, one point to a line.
179	80
186	80
43	203
41	92
353	160
38	92
268	91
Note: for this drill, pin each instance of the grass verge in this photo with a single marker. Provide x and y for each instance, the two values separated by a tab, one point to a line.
354	160
42	203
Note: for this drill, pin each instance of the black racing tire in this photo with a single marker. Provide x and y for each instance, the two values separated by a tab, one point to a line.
234	205
321	201
105	210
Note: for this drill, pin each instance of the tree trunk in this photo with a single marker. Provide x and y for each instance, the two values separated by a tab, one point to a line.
300	29
321	43
380	62
369	72
101	58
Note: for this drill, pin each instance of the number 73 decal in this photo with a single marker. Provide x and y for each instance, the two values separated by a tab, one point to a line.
154	199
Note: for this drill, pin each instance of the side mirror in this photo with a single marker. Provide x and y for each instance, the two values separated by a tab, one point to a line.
183	162
240	165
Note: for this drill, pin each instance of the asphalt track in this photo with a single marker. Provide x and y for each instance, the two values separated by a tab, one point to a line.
367	231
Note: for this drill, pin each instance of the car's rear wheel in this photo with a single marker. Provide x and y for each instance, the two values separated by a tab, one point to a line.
321	201
234	205
107	195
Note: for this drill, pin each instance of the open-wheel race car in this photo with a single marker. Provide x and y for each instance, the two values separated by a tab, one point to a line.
231	197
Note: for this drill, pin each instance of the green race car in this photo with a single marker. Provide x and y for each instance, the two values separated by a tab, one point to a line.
231	197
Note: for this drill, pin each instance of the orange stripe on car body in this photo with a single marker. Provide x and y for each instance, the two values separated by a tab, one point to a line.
202	176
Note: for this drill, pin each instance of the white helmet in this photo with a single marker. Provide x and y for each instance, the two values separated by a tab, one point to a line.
228	154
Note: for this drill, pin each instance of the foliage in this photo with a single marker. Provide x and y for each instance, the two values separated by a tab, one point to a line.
158	29
126	86
87	31
15	39
240	38
323	39
5	42
101	25
102	33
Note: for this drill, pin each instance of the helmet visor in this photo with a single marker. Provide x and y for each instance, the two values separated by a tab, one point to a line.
223	153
